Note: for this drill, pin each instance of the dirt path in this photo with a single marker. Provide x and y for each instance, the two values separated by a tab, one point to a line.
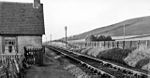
53	69
47	72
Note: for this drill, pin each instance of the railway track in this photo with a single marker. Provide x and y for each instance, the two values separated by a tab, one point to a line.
100	67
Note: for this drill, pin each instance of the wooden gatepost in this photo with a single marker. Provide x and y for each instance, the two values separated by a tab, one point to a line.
34	56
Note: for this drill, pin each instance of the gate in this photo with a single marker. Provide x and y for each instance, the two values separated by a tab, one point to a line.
34	56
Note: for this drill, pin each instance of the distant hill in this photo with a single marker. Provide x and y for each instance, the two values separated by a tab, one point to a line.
135	26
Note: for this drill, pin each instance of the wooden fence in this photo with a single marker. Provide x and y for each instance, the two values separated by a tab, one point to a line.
4	58
113	44
34	55
10	64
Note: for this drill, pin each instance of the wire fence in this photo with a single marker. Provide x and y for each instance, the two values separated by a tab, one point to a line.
113	44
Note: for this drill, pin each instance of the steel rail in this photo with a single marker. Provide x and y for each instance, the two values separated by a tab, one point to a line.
90	65
105	62
135	72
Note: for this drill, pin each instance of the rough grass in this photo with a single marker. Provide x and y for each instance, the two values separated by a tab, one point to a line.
139	57
115	55
84	51
146	67
142	63
94	51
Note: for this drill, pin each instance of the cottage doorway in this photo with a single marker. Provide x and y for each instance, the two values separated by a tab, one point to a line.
9	45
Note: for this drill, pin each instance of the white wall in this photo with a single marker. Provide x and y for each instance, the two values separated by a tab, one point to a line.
0	44
35	41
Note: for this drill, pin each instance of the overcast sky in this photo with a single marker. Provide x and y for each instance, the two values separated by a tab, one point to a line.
84	15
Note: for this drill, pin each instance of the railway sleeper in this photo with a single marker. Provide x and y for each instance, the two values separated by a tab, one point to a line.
134	76
125	71
107	65
131	73
144	76
121	70
95	71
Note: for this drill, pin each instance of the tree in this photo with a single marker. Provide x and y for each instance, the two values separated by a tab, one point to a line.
99	38
92	38
108	38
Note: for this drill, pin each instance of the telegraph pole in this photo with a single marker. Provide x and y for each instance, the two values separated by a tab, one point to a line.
124	33
50	38
66	35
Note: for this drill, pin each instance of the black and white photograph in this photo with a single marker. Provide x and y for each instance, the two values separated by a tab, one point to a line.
74	38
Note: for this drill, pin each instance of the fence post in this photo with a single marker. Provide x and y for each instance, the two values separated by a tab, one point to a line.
139	44
95	44
108	44
117	44
130	44
104	44
146	44
123	44
112	44
85	44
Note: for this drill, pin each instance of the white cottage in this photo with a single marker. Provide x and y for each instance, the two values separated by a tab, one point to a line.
21	24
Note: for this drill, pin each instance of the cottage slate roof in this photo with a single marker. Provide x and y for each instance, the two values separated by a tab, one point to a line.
21	19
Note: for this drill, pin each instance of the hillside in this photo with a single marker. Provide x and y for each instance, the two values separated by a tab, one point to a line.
135	26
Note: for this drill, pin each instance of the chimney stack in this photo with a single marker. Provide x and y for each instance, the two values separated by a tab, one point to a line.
36	4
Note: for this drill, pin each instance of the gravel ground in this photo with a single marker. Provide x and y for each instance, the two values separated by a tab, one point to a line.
57	67
52	69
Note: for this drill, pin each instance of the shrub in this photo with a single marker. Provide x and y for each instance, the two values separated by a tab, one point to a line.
99	38
92	38
108	38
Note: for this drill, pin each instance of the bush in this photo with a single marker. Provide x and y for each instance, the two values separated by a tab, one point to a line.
92	38
99	38
108	38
